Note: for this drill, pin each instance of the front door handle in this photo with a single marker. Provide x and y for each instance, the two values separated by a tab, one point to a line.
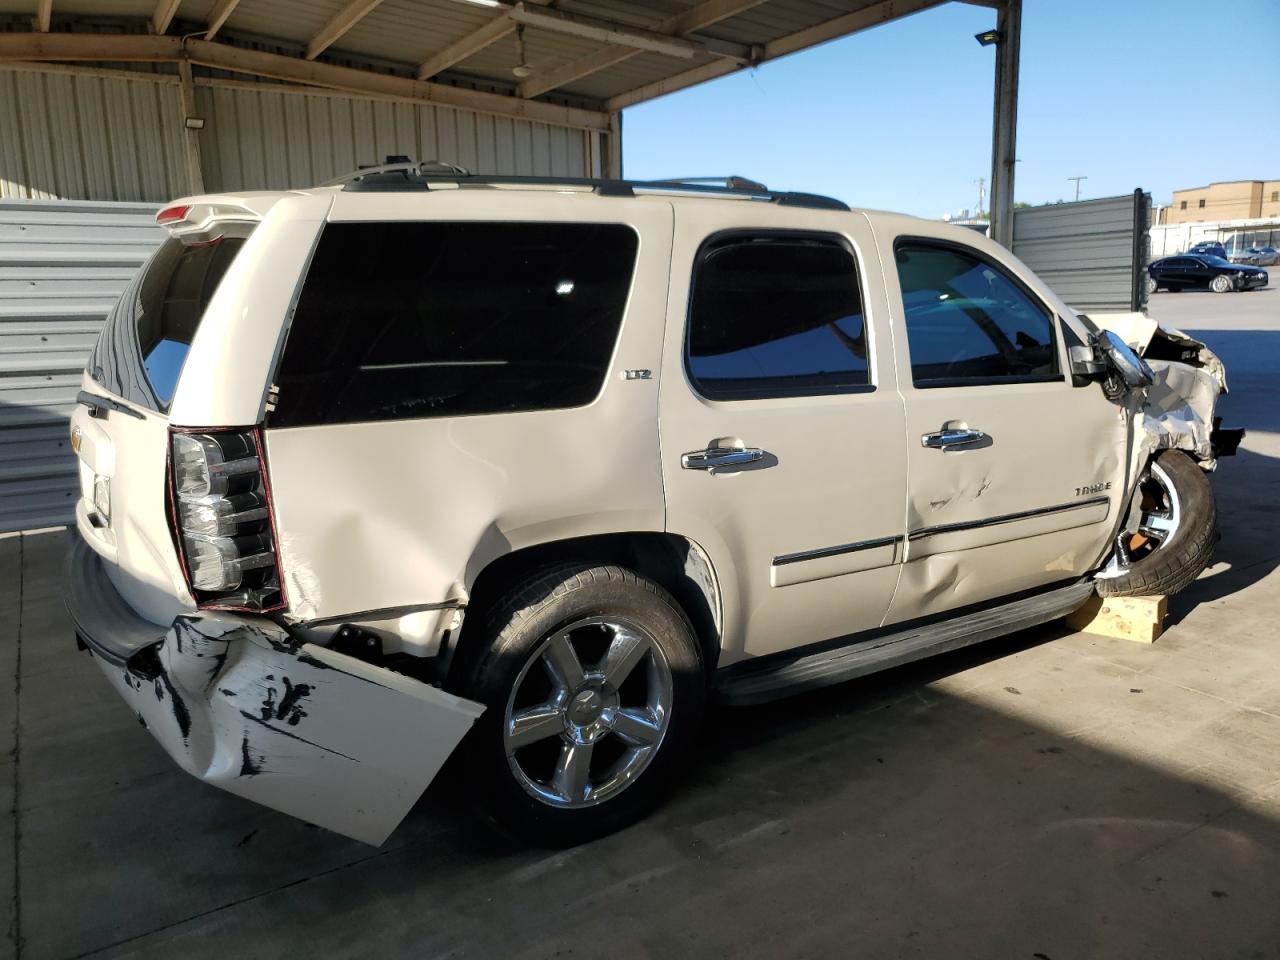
957	437
714	457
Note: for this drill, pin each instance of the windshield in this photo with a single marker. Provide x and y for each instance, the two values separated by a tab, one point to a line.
144	343
1214	261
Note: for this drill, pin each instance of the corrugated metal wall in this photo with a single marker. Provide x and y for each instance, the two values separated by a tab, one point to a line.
1087	251
87	135
264	136
62	265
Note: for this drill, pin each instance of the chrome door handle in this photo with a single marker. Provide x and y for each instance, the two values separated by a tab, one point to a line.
713	457
952	438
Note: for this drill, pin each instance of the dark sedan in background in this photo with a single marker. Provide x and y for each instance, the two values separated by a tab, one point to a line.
1200	271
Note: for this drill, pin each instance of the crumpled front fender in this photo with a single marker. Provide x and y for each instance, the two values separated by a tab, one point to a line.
1177	410
297	727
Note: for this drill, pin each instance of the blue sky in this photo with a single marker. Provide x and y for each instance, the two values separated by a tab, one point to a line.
1128	93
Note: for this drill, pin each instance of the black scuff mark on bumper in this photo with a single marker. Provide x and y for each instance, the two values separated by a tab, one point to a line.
285	733
179	706
289	708
249	765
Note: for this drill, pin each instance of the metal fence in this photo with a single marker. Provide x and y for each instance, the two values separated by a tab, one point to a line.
1091	253
62	266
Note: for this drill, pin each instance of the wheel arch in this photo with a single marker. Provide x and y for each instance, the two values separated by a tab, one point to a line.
677	564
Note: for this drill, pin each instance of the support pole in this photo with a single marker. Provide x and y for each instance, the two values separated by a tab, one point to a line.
613	147
1004	126
191	138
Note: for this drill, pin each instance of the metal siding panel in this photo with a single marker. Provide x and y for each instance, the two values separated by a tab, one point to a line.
226	135
275	144
253	150
65	142
35	121
298	141
1084	250
541	148
362	132
428	137
320	139
62	266
344	137
13	177
95	140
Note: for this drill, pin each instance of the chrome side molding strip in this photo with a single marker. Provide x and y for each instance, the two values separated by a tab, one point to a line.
1005	518
835	551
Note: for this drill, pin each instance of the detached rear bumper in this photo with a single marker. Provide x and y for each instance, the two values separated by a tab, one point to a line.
238	702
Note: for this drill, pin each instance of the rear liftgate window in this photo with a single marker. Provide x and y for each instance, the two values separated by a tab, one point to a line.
144	342
777	315
410	320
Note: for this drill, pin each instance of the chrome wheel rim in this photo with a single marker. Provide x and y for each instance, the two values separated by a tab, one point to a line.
588	712
1159	516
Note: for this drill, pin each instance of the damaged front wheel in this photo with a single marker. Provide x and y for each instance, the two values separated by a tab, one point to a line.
1168	537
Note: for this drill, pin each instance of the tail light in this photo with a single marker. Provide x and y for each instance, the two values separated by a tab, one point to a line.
220	507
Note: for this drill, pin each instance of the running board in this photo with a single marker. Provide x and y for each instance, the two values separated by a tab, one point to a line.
749	682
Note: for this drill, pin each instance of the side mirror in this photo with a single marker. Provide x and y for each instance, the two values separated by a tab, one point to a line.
1132	369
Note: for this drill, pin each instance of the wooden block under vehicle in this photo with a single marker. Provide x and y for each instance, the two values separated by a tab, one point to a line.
1140	619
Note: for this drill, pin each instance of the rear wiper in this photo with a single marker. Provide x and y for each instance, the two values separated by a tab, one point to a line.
100	405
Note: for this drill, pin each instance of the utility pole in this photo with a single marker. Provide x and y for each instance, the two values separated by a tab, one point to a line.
1077	180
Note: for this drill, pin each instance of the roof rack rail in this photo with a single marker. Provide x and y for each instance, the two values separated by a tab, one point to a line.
401	176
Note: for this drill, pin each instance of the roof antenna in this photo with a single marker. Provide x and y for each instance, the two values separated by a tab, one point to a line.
522	68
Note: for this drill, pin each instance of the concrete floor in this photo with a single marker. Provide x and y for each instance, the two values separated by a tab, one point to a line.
1049	795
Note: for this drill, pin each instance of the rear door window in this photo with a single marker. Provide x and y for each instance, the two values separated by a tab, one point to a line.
968	322
143	345
776	315
439	319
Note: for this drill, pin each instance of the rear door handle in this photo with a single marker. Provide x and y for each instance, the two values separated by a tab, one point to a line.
713	457
960	437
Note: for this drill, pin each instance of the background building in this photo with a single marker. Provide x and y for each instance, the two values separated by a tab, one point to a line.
1234	200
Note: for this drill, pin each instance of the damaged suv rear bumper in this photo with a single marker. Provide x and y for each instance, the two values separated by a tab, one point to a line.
241	704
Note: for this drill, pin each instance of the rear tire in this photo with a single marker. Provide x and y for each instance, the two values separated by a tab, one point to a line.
1152	286
1221	284
583	731
1143	565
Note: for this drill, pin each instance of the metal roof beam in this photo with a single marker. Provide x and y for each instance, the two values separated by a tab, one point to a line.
342	21
218	16
471	44
695	18
163	15
882	12
126	47
44	10
607	31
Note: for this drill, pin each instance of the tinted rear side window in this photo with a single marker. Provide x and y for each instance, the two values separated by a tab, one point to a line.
409	320
144	343
776	316
969	323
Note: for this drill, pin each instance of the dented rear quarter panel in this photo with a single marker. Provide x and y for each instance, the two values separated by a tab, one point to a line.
402	513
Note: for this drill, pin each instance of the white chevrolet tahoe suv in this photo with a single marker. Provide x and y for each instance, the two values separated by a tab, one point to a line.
423	461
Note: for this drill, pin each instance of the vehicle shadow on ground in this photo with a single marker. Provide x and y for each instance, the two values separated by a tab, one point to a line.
881	818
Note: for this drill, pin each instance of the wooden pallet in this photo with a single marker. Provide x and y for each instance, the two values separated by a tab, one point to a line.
1140	619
